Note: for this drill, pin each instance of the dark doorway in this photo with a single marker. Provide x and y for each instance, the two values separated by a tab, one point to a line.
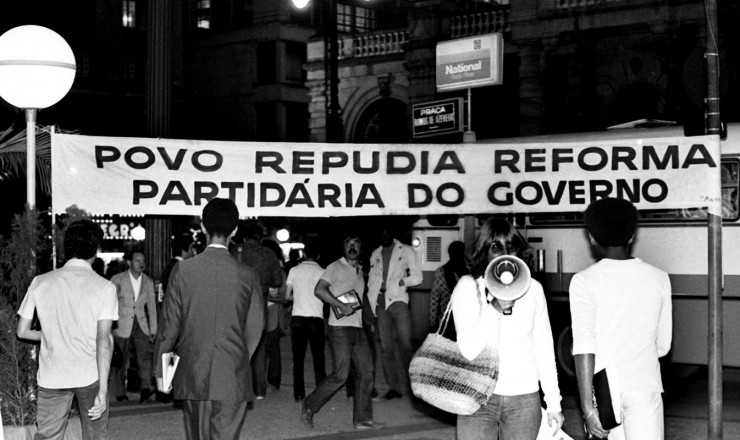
636	101
383	122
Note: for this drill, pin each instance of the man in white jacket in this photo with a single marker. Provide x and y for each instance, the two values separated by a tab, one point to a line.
393	268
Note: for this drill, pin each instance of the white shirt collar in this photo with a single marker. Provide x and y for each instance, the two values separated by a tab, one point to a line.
77	262
345	261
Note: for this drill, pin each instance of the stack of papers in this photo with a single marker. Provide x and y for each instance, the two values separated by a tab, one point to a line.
352	298
169	366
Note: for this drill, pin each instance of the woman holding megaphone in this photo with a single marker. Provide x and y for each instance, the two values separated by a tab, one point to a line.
500	306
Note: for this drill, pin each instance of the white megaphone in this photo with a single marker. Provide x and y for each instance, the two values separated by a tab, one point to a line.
507	278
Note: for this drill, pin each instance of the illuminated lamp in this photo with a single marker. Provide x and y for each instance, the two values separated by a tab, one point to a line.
282	234
37	69
138	233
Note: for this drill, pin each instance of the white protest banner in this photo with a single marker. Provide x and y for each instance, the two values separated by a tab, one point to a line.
137	176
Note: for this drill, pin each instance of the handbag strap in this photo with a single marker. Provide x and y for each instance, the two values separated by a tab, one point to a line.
445	318
448	311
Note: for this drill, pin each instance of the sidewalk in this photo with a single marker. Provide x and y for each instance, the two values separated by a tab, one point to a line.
277	416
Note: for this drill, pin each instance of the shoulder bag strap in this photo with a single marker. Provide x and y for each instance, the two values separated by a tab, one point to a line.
448	310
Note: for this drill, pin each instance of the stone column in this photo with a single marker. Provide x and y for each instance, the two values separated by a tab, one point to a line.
531	89
159	107
427	25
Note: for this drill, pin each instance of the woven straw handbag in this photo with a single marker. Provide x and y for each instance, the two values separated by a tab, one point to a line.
441	376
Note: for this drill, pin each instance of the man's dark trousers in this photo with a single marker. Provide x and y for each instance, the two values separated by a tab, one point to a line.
350	347
213	419
304	331
272	352
259	367
53	412
144	351
394	326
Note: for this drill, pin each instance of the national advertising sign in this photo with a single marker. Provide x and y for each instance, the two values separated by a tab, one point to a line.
137	176
470	62
437	117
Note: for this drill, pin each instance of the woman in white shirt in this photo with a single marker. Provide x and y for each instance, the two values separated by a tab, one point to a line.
520	331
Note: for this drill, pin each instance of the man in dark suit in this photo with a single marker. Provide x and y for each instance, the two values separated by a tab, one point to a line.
212	317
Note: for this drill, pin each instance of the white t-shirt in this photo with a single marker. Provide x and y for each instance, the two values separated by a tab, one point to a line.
303	279
524	339
622	313
69	302
343	277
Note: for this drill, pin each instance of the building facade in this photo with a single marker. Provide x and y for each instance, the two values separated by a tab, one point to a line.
257	69
569	66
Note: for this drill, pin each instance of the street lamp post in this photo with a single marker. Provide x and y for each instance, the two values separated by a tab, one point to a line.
334	124
37	69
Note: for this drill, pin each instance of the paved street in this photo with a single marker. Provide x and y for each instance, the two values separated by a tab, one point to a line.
276	417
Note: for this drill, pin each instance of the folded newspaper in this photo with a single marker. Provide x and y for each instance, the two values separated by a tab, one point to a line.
169	366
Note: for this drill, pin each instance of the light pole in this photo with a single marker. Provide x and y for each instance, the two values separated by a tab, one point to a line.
37	68
334	125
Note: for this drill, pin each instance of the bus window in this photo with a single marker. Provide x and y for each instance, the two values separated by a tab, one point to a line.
730	185
557	219
442	220
730	169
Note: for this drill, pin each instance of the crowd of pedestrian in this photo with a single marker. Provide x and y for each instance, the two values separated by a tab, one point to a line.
222	311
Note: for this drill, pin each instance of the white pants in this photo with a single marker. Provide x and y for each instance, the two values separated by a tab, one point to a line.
642	417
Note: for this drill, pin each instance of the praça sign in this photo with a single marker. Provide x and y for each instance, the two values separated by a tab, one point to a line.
437	117
139	176
470	62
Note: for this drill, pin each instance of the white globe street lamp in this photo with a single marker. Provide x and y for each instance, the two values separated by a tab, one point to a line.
37	69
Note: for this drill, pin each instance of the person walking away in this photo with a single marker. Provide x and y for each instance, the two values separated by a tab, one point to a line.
348	340
393	268
294	259
76	309
445	279
271	275
622	317
520	331
307	321
137	325
213	318
275	319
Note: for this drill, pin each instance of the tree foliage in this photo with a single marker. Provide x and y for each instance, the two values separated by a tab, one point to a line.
18	367
20	255
19	263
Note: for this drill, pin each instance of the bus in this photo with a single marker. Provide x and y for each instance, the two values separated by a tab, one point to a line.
673	240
